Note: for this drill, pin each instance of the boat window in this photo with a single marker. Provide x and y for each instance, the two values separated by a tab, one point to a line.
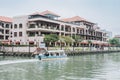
61	53
46	54
51	54
57	54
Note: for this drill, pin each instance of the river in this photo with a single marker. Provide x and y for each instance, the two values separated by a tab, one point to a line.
84	67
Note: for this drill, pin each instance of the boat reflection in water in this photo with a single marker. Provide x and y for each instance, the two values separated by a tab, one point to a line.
49	65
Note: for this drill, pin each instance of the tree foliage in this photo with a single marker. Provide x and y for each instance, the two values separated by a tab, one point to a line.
61	39
77	38
89	41
51	38
114	41
68	39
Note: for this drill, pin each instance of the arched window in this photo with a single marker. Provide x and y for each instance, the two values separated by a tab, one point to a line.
15	26
20	25
7	25
11	26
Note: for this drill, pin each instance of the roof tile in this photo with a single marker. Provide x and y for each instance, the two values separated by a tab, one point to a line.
75	18
48	12
5	19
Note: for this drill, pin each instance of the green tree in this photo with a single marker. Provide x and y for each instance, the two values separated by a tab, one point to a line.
114	41
50	38
68	40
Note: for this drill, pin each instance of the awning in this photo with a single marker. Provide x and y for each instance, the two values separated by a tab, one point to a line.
5	42
84	42
31	42
17	42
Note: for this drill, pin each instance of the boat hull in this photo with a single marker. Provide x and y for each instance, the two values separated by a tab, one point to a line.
51	57
47	59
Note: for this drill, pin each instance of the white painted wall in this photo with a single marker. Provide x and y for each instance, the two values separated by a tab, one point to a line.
20	20
20	49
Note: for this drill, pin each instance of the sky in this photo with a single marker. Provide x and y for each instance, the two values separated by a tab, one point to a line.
106	13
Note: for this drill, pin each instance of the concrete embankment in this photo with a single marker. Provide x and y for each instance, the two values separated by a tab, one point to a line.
76	53
69	53
19	54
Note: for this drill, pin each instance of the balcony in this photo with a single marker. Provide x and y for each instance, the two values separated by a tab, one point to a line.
32	26
31	35
43	28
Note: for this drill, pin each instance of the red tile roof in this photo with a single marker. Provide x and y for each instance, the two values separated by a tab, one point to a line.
45	12
5	19
48	12
117	36
75	18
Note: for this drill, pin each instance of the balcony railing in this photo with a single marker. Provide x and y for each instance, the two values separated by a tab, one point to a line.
44	27
31	35
31	26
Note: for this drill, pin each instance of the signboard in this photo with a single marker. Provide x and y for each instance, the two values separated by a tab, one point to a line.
42	45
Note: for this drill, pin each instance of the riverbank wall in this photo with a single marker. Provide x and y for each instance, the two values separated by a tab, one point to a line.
70	51
77	53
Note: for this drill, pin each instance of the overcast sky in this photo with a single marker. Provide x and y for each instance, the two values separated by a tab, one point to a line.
106	13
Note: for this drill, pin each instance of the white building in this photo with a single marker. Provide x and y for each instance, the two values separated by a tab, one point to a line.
30	29
5	26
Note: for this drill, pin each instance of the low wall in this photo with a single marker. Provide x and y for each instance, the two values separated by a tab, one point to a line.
84	48
32	49
19	49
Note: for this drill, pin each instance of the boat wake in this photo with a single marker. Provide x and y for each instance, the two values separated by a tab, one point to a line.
17	61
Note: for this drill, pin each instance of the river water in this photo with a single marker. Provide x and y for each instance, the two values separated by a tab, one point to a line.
84	67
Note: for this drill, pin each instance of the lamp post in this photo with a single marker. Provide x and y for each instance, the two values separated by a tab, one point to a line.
12	46
28	46
61	45
73	46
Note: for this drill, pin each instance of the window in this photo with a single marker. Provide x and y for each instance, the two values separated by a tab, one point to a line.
31	34
6	31
20	34
77	30
7	26
11	26
2	24
62	28
15	34
15	25
20	25
6	37
73	29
